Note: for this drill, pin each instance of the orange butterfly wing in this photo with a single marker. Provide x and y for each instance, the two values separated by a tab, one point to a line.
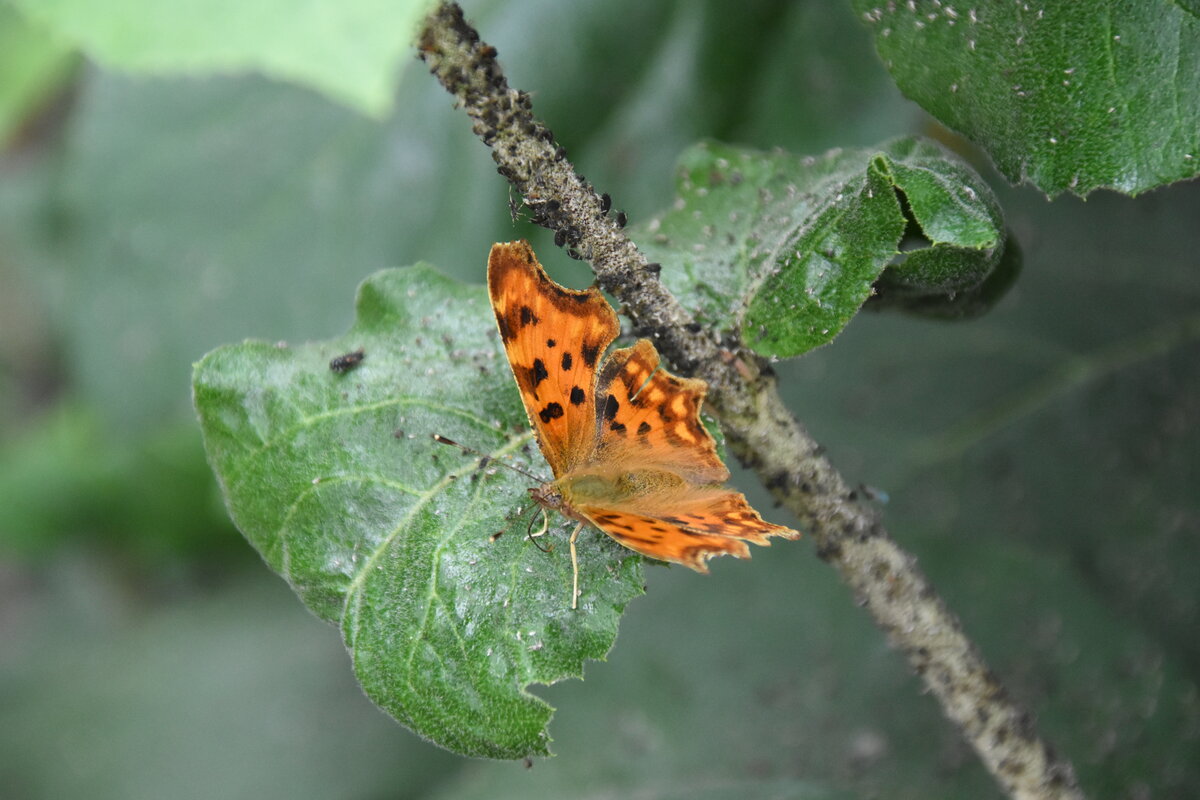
649	416
650	419
718	522
554	338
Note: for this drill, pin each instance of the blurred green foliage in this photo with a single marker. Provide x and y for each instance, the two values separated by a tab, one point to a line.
350	50
1039	460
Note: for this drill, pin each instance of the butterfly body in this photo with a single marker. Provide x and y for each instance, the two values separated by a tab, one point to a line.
600	485
622	435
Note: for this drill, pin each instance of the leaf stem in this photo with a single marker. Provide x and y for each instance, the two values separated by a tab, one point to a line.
760	430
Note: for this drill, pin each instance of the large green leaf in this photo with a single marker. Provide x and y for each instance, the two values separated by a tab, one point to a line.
351	50
335	479
1068	96
788	248
1065	422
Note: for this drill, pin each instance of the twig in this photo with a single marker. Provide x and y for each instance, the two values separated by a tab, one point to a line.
758	427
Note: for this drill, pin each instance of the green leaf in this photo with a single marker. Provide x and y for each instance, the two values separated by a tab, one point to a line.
1068	96
350	50
788	248
335	480
33	64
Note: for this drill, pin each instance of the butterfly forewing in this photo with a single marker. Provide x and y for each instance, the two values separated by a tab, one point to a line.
554	338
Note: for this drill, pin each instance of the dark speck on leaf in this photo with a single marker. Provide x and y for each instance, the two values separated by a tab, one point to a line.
347	361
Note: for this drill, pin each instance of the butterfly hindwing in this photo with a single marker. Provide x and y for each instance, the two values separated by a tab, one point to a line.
554	338
713	523
653	415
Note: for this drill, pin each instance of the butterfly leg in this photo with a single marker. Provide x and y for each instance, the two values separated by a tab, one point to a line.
545	525
575	568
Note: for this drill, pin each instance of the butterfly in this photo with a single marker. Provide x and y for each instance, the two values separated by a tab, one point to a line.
621	434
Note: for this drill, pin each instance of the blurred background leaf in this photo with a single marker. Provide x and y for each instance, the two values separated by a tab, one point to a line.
1038	459
350	50
34	62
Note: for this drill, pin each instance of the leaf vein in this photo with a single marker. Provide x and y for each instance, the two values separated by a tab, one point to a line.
354	592
311	420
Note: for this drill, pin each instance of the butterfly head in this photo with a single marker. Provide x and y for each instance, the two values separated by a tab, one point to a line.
547	496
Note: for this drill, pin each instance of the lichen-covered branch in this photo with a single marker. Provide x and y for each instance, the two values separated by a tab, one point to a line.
742	393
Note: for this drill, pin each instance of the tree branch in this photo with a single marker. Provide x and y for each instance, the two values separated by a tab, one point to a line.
758	427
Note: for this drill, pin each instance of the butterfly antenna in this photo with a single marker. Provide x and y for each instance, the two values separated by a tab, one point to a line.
533	536
485	459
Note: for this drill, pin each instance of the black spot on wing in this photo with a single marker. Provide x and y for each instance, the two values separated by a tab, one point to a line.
567	361
550	412
611	407
643	429
551	343
528	317
590	353
538	373
577	396
616	427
